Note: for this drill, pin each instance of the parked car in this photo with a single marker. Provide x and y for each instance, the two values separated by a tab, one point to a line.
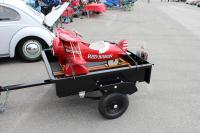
195	2
192	2
198	4
189	1
24	31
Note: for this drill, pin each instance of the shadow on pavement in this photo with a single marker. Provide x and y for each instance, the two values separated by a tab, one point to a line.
8	60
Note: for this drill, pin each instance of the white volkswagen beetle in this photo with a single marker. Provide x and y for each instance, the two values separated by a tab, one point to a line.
24	31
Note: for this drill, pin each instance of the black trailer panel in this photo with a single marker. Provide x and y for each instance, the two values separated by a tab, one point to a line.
124	78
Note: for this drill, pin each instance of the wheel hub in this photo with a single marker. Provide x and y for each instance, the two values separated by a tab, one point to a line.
115	106
32	48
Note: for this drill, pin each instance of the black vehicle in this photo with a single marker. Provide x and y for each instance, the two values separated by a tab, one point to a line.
114	83
198	4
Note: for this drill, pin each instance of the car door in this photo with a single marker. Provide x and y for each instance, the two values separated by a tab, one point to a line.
9	25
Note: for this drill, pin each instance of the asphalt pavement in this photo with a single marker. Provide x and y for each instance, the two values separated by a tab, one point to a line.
169	104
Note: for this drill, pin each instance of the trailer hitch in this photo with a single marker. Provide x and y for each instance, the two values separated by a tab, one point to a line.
3	103
9	88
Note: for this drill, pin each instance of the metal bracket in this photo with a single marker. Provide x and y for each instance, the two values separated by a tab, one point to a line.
121	87
4	102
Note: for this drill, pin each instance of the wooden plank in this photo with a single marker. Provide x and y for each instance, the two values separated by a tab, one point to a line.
106	67
122	63
125	62
58	73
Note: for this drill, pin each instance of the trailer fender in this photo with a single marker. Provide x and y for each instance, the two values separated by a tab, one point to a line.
123	88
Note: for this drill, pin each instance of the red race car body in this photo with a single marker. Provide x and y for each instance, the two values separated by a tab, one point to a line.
74	53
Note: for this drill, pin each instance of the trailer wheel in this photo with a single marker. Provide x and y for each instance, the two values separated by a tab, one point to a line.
113	105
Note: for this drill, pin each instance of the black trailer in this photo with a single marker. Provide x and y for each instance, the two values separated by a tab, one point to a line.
114	83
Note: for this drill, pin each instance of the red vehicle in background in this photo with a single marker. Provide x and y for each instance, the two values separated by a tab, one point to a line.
83	7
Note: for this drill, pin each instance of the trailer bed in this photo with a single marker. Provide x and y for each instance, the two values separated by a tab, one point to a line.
130	70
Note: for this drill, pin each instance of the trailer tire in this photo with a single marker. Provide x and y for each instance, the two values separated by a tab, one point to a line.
113	105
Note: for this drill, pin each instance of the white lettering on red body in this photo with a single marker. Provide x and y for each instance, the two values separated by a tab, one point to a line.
94	56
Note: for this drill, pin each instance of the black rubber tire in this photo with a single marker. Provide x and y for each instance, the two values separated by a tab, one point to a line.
107	103
22	55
